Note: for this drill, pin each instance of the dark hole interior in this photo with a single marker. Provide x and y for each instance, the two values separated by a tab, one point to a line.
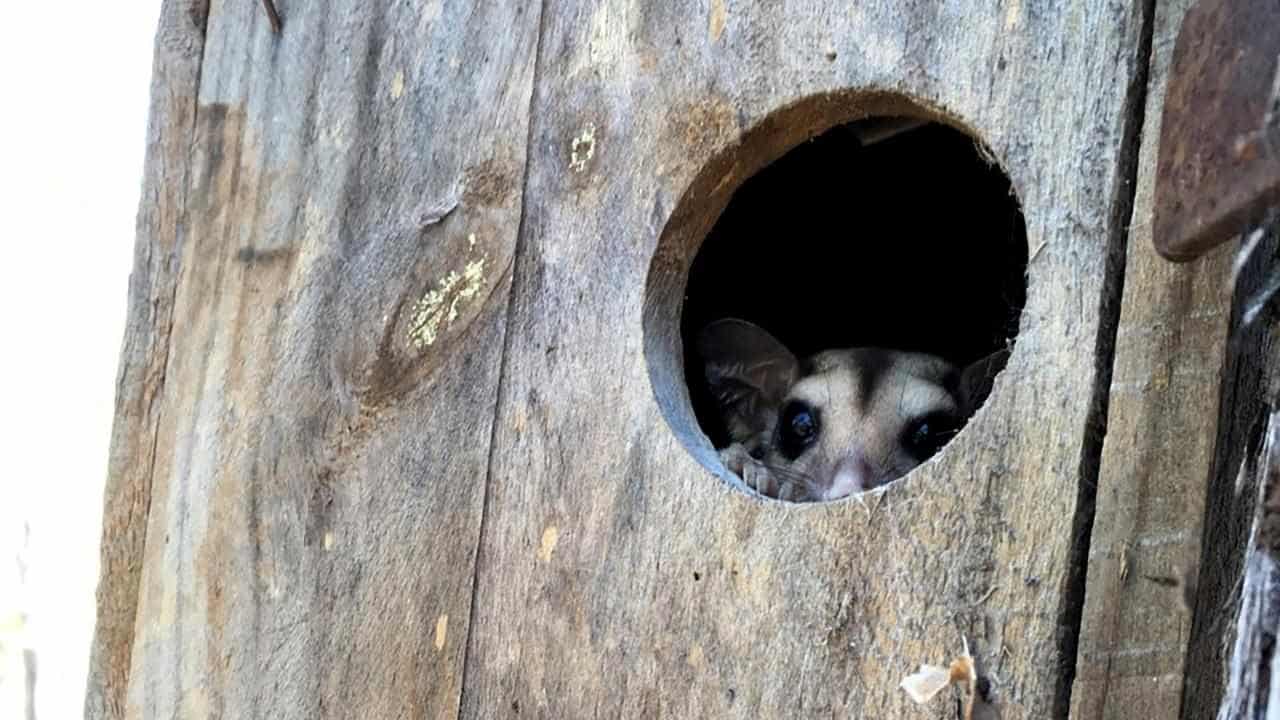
915	242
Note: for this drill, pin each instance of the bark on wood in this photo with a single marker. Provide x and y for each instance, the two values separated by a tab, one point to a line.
323	476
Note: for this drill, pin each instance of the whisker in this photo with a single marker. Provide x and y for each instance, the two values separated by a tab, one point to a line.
802	481
787	473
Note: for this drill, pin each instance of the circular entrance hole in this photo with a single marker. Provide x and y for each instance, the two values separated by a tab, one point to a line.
836	319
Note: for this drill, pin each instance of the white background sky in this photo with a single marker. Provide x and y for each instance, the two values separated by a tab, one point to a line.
75	77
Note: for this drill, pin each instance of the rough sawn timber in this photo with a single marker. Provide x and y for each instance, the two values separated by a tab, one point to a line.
140	383
1160	451
346	197
621	576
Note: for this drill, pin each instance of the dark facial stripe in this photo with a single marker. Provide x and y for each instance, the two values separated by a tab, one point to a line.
873	365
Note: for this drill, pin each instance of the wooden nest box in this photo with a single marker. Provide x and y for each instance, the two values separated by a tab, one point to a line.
404	426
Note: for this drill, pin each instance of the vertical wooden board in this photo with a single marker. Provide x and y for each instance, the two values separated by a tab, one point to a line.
1234	502
1158	455
619	576
324	429
140	383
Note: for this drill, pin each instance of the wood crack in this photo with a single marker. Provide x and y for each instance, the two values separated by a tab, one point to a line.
504	362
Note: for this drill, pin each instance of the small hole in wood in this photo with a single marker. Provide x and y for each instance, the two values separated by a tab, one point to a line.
843	309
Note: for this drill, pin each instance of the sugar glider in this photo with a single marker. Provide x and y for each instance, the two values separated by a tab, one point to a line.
839	422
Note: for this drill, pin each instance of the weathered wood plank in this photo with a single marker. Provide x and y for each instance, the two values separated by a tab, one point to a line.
618	576
1249	390
140	384
324	427
1253	665
1158	455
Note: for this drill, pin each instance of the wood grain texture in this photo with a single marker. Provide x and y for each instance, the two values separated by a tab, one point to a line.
1252	672
323	430
1158	455
1250	390
148	333
619	575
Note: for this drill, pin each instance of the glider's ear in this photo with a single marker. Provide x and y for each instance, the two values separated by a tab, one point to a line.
749	372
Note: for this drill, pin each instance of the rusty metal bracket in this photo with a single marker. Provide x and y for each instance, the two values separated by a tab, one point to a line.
1219	159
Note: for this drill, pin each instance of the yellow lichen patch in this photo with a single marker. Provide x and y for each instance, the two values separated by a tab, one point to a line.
442	631
328	540
1012	13
583	149
715	23
696	658
550	537
397	85
436	310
